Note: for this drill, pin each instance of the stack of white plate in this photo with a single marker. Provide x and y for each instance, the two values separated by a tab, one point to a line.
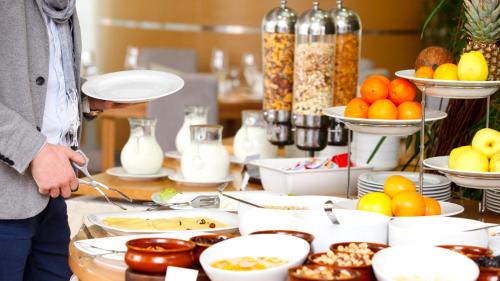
435	186
493	200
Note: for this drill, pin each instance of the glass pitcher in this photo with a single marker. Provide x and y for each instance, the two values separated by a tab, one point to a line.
251	138
193	115
206	159
142	155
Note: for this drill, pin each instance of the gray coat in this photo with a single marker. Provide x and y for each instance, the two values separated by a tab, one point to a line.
24	68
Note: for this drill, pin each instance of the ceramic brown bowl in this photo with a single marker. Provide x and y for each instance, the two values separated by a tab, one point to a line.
375	247
489	274
306	236
472	252
154	255
204	241
365	271
293	276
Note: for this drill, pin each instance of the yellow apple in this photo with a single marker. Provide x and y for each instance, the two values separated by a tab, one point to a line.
454	153
495	163
472	160
376	202
487	141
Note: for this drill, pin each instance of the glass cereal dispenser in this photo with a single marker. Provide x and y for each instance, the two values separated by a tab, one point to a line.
278	39
313	78
347	53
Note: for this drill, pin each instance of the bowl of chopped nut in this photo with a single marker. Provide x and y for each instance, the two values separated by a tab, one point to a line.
315	272
357	247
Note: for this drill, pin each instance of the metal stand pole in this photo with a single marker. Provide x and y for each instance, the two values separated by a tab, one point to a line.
348	163
482	205
422	145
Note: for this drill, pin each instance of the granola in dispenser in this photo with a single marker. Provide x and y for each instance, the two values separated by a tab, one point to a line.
346	68
314	70
278	70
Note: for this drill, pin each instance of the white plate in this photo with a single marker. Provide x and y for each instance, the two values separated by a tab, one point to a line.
426	192
447	208
133	86
481	180
379	178
381	126
451	88
441	189
121	173
180	179
226	204
231	220
174	154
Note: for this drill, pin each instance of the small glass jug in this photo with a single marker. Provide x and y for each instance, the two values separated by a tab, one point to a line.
206	159
251	138
193	115
142	155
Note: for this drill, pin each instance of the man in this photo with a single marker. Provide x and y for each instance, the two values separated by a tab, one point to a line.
40	117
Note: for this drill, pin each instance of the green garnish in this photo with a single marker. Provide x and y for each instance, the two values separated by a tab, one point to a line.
167	193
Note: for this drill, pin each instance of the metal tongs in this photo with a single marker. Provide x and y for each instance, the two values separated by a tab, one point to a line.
98	185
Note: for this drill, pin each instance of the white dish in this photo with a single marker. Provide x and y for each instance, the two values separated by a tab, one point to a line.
451	88
292	249
133	86
423	263
121	173
381	126
276	177
494	240
443	192
354	225
481	180
447	208
174	154
435	230
231	220
379	178
226	204
180	179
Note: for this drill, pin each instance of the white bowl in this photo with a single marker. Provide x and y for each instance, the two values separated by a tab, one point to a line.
292	249
428	263
354	226
276	178
435	230
494	240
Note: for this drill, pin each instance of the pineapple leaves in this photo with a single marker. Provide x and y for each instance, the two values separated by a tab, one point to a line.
431	16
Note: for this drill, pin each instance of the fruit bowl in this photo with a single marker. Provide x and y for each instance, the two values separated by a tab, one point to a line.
382	126
451	88
480	180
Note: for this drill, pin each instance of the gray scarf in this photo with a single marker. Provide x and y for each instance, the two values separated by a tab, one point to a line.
61	11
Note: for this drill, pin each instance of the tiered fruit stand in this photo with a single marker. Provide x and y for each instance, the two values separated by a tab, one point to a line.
435	88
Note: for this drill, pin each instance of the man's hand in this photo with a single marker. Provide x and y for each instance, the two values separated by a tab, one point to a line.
53	172
101	105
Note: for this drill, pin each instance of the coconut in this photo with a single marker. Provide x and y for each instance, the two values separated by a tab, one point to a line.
433	56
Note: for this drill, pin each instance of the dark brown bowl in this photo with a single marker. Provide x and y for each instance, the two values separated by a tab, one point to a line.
472	252
306	236
375	247
204	241
142	257
489	274
292	276
365	271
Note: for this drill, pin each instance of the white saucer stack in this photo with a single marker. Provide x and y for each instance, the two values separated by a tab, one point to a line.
493	200
435	186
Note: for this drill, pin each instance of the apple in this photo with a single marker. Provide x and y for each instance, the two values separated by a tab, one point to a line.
495	163
472	160
454	153
487	141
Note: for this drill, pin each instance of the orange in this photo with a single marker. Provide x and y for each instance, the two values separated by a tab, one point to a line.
376	202
432	207
357	108
401	90
446	71
396	184
374	89
410	110
381	77
383	109
408	204
424	72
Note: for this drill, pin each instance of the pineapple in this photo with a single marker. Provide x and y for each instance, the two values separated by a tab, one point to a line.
483	29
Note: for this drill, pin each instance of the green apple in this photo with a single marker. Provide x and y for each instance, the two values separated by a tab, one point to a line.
495	163
487	141
454	153
472	160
